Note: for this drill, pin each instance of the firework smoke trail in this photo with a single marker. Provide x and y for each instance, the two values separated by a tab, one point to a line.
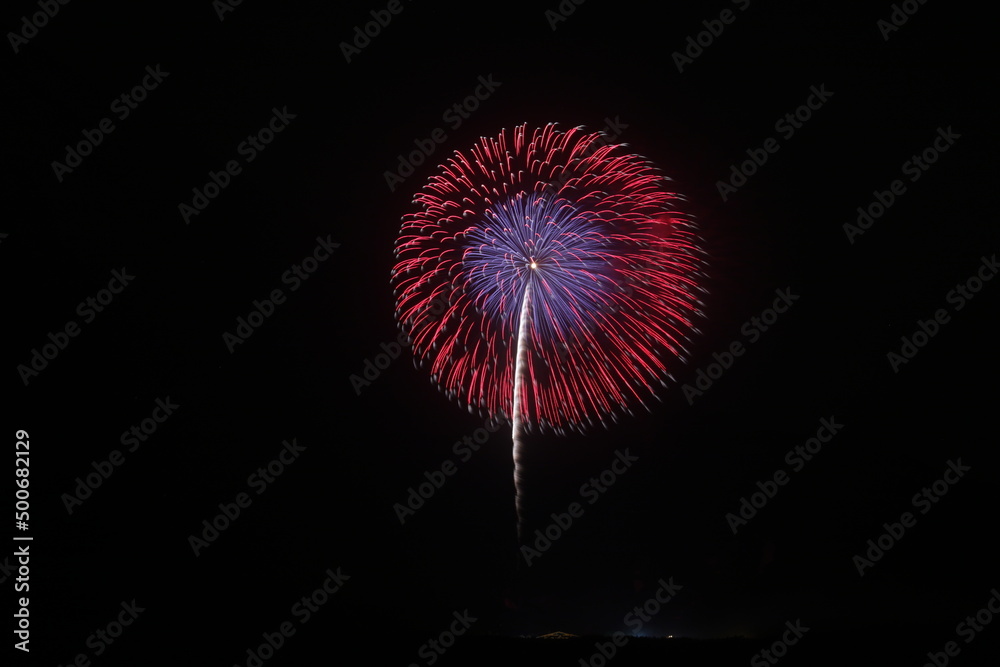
547	278
517	431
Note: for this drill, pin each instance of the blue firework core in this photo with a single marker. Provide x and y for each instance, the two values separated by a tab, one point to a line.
560	249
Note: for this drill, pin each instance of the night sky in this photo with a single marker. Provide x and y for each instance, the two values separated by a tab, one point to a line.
306	219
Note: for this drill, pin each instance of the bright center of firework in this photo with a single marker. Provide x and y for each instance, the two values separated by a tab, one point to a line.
516	239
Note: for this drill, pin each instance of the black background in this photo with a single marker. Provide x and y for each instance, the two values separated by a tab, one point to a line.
323	176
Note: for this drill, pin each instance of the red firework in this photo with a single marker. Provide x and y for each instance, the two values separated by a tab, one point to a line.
561	241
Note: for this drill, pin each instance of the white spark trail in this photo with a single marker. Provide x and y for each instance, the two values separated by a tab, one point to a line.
518	426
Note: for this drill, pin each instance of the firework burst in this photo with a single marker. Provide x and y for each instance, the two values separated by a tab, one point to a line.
547	278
